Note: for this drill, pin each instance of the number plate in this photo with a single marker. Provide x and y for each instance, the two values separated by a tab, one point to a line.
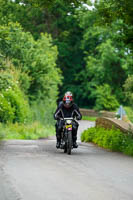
69	126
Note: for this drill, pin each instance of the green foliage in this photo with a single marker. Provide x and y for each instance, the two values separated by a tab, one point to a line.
13	106
88	137
6	111
18	103
128	88
37	75
2	133
94	48
110	11
60	21
35	59
38	16
45	75
28	71
129	112
106	64
30	131
89	118
112	139
5	81
104	99
43	112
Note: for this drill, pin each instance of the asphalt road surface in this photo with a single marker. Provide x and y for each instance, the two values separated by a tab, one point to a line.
36	170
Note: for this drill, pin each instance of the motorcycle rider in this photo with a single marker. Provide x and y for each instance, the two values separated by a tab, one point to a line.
67	108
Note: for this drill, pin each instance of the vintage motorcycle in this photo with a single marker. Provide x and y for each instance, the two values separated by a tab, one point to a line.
66	135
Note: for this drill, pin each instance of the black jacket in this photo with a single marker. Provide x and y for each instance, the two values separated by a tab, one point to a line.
63	112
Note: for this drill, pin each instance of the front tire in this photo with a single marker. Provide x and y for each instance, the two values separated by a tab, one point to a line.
65	149
69	143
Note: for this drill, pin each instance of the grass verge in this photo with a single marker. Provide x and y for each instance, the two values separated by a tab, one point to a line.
33	131
129	112
89	118
112	139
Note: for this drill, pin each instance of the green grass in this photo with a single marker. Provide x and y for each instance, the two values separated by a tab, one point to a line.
40	126
129	113
31	131
89	118
112	139
37	129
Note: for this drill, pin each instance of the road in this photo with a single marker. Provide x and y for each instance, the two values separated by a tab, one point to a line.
36	170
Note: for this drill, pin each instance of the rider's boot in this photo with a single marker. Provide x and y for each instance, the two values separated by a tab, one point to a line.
75	145
58	139
57	144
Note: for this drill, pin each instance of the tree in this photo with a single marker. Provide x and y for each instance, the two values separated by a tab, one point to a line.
60	20
37	59
105	99
94	46
110	11
128	88
38	75
107	58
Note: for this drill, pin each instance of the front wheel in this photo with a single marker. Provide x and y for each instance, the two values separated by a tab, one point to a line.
65	149
69	143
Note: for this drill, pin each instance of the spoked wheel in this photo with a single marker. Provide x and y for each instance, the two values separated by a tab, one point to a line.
69	144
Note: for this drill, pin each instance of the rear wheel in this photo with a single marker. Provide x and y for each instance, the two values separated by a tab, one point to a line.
69	143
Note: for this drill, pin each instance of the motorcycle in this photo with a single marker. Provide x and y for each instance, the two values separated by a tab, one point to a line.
66	135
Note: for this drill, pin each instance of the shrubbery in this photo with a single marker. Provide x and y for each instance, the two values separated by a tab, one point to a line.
129	112
112	139
128	87
18	104
104	98
30	131
43	112
29	80
36	60
14	106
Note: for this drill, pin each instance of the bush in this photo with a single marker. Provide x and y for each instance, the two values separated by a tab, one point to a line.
6	111
32	131
36	59
5	81
13	106
112	139
128	88
43	112
105	100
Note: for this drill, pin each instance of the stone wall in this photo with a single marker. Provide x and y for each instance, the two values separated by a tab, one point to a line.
93	113
109	122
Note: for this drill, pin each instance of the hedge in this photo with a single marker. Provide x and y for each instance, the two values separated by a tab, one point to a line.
112	139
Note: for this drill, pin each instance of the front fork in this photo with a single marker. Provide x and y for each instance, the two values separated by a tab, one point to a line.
64	138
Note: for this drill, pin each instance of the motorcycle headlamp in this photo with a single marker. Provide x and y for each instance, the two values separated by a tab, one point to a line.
68	121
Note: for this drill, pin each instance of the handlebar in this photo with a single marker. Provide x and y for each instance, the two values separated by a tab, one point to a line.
69	118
